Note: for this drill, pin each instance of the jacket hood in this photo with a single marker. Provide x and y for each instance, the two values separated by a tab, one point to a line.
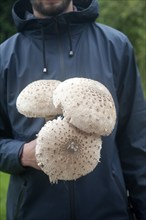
87	10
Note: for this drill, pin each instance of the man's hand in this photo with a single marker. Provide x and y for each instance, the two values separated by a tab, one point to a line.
28	155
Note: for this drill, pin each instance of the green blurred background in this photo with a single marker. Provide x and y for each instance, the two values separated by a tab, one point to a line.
127	16
4	179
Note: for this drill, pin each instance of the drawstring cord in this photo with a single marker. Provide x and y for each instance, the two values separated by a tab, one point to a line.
44	51
71	53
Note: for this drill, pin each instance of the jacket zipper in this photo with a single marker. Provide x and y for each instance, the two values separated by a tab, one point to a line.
71	183
72	199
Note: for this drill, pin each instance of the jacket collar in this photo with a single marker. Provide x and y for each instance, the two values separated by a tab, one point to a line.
87	10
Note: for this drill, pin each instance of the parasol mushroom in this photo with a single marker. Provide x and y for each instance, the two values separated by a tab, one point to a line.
35	100
68	148
64	152
86	104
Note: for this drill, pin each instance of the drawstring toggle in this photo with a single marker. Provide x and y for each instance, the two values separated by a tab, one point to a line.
44	70
71	53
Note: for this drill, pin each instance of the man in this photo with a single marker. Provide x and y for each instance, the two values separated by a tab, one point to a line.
59	39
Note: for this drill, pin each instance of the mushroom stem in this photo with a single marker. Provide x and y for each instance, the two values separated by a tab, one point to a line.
72	146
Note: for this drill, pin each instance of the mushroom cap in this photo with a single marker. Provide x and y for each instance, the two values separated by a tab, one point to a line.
64	152
35	100
87	104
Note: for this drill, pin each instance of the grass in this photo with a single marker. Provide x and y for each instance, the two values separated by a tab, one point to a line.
4	180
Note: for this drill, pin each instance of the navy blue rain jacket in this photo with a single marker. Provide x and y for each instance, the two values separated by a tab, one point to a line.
73	45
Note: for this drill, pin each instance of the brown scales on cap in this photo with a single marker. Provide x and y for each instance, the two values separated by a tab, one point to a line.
66	153
35	100
86	104
69	148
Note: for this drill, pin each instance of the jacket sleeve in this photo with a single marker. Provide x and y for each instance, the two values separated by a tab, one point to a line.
9	147
131	136
9	156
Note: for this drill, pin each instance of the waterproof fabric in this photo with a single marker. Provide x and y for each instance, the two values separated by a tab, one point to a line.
100	53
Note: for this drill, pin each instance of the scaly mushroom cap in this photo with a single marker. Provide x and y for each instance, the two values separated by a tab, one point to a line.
86	104
64	152
35	100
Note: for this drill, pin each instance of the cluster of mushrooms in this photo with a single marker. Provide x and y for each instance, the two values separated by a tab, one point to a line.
78	112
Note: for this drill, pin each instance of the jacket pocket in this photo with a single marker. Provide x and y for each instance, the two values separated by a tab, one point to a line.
124	194
120	184
20	200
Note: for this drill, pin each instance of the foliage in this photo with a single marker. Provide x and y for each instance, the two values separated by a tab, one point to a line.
7	27
4	179
129	17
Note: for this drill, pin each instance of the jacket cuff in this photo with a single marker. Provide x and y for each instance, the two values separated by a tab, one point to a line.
11	160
